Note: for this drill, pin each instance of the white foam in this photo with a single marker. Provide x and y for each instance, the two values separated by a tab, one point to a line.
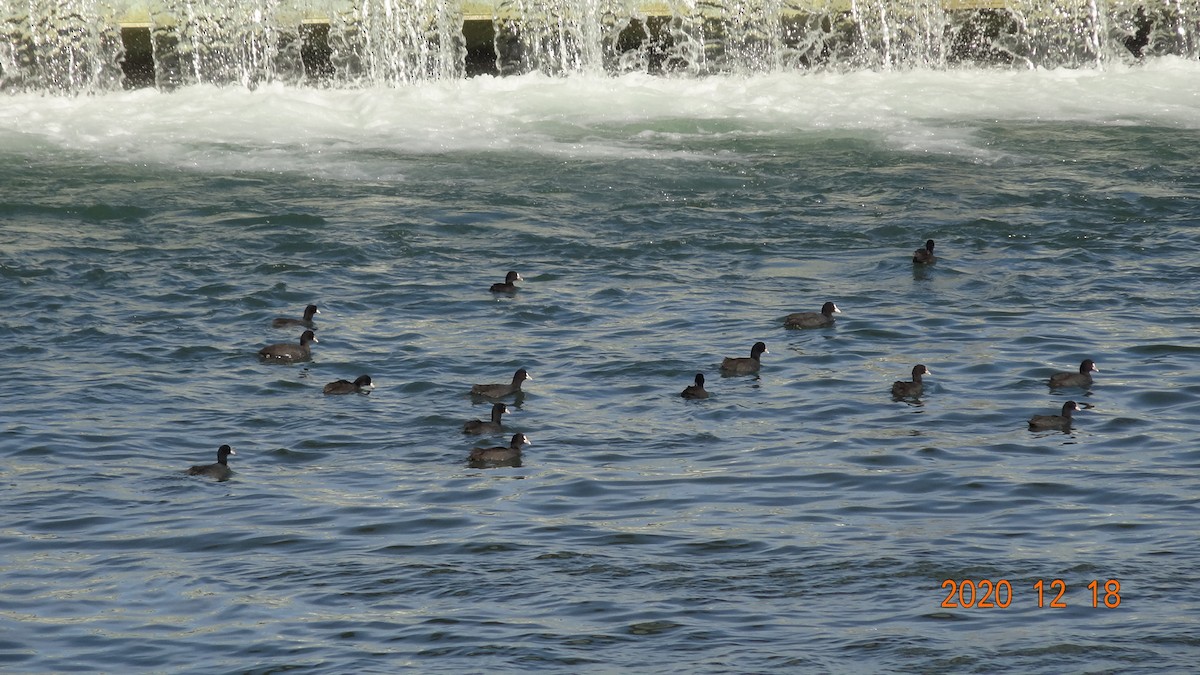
365	134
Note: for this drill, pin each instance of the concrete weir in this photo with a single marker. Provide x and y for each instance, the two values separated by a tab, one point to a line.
75	45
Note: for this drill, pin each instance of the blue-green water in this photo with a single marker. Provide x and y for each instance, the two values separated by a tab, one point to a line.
798	521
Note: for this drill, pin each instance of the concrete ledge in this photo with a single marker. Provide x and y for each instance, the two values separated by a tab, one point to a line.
136	13
334	41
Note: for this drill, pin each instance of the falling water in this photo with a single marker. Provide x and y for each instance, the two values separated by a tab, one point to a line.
90	45
398	41
58	46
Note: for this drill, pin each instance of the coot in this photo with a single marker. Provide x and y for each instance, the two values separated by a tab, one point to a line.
361	385
491	427
1083	378
695	390
500	453
508	286
220	470
901	389
812	319
1063	421
306	322
745	365
924	256
502	390
287	352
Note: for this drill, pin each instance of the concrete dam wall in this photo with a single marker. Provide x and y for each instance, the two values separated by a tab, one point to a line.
96	45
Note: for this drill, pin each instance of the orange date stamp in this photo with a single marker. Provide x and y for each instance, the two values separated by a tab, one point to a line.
986	594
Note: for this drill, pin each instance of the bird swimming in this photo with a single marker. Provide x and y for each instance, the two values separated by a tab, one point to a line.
220	470
487	427
500	453
1083	378
306	322
361	385
288	352
902	389
502	390
509	285
1061	421
924	256
812	319
695	391
745	365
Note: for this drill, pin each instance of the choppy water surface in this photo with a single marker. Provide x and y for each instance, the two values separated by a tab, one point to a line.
796	521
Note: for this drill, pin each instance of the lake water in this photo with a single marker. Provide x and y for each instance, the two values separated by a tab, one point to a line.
796	521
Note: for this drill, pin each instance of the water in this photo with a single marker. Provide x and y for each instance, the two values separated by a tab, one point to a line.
796	521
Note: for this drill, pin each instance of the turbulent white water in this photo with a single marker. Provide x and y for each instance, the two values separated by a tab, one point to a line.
356	133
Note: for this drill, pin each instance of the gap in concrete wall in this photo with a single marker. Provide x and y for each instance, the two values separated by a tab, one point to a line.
315	52
138	63
653	37
480	38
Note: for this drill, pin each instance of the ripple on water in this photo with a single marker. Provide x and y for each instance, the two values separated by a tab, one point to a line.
642	531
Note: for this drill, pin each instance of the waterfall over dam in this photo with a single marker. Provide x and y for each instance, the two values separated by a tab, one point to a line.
97	45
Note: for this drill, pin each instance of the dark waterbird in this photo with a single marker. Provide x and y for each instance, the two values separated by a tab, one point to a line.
361	385
306	322
489	427
288	352
501	454
902	389
695	391
746	364
1062	421
1083	378
502	390
924	256
220	470
509	285
812	319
